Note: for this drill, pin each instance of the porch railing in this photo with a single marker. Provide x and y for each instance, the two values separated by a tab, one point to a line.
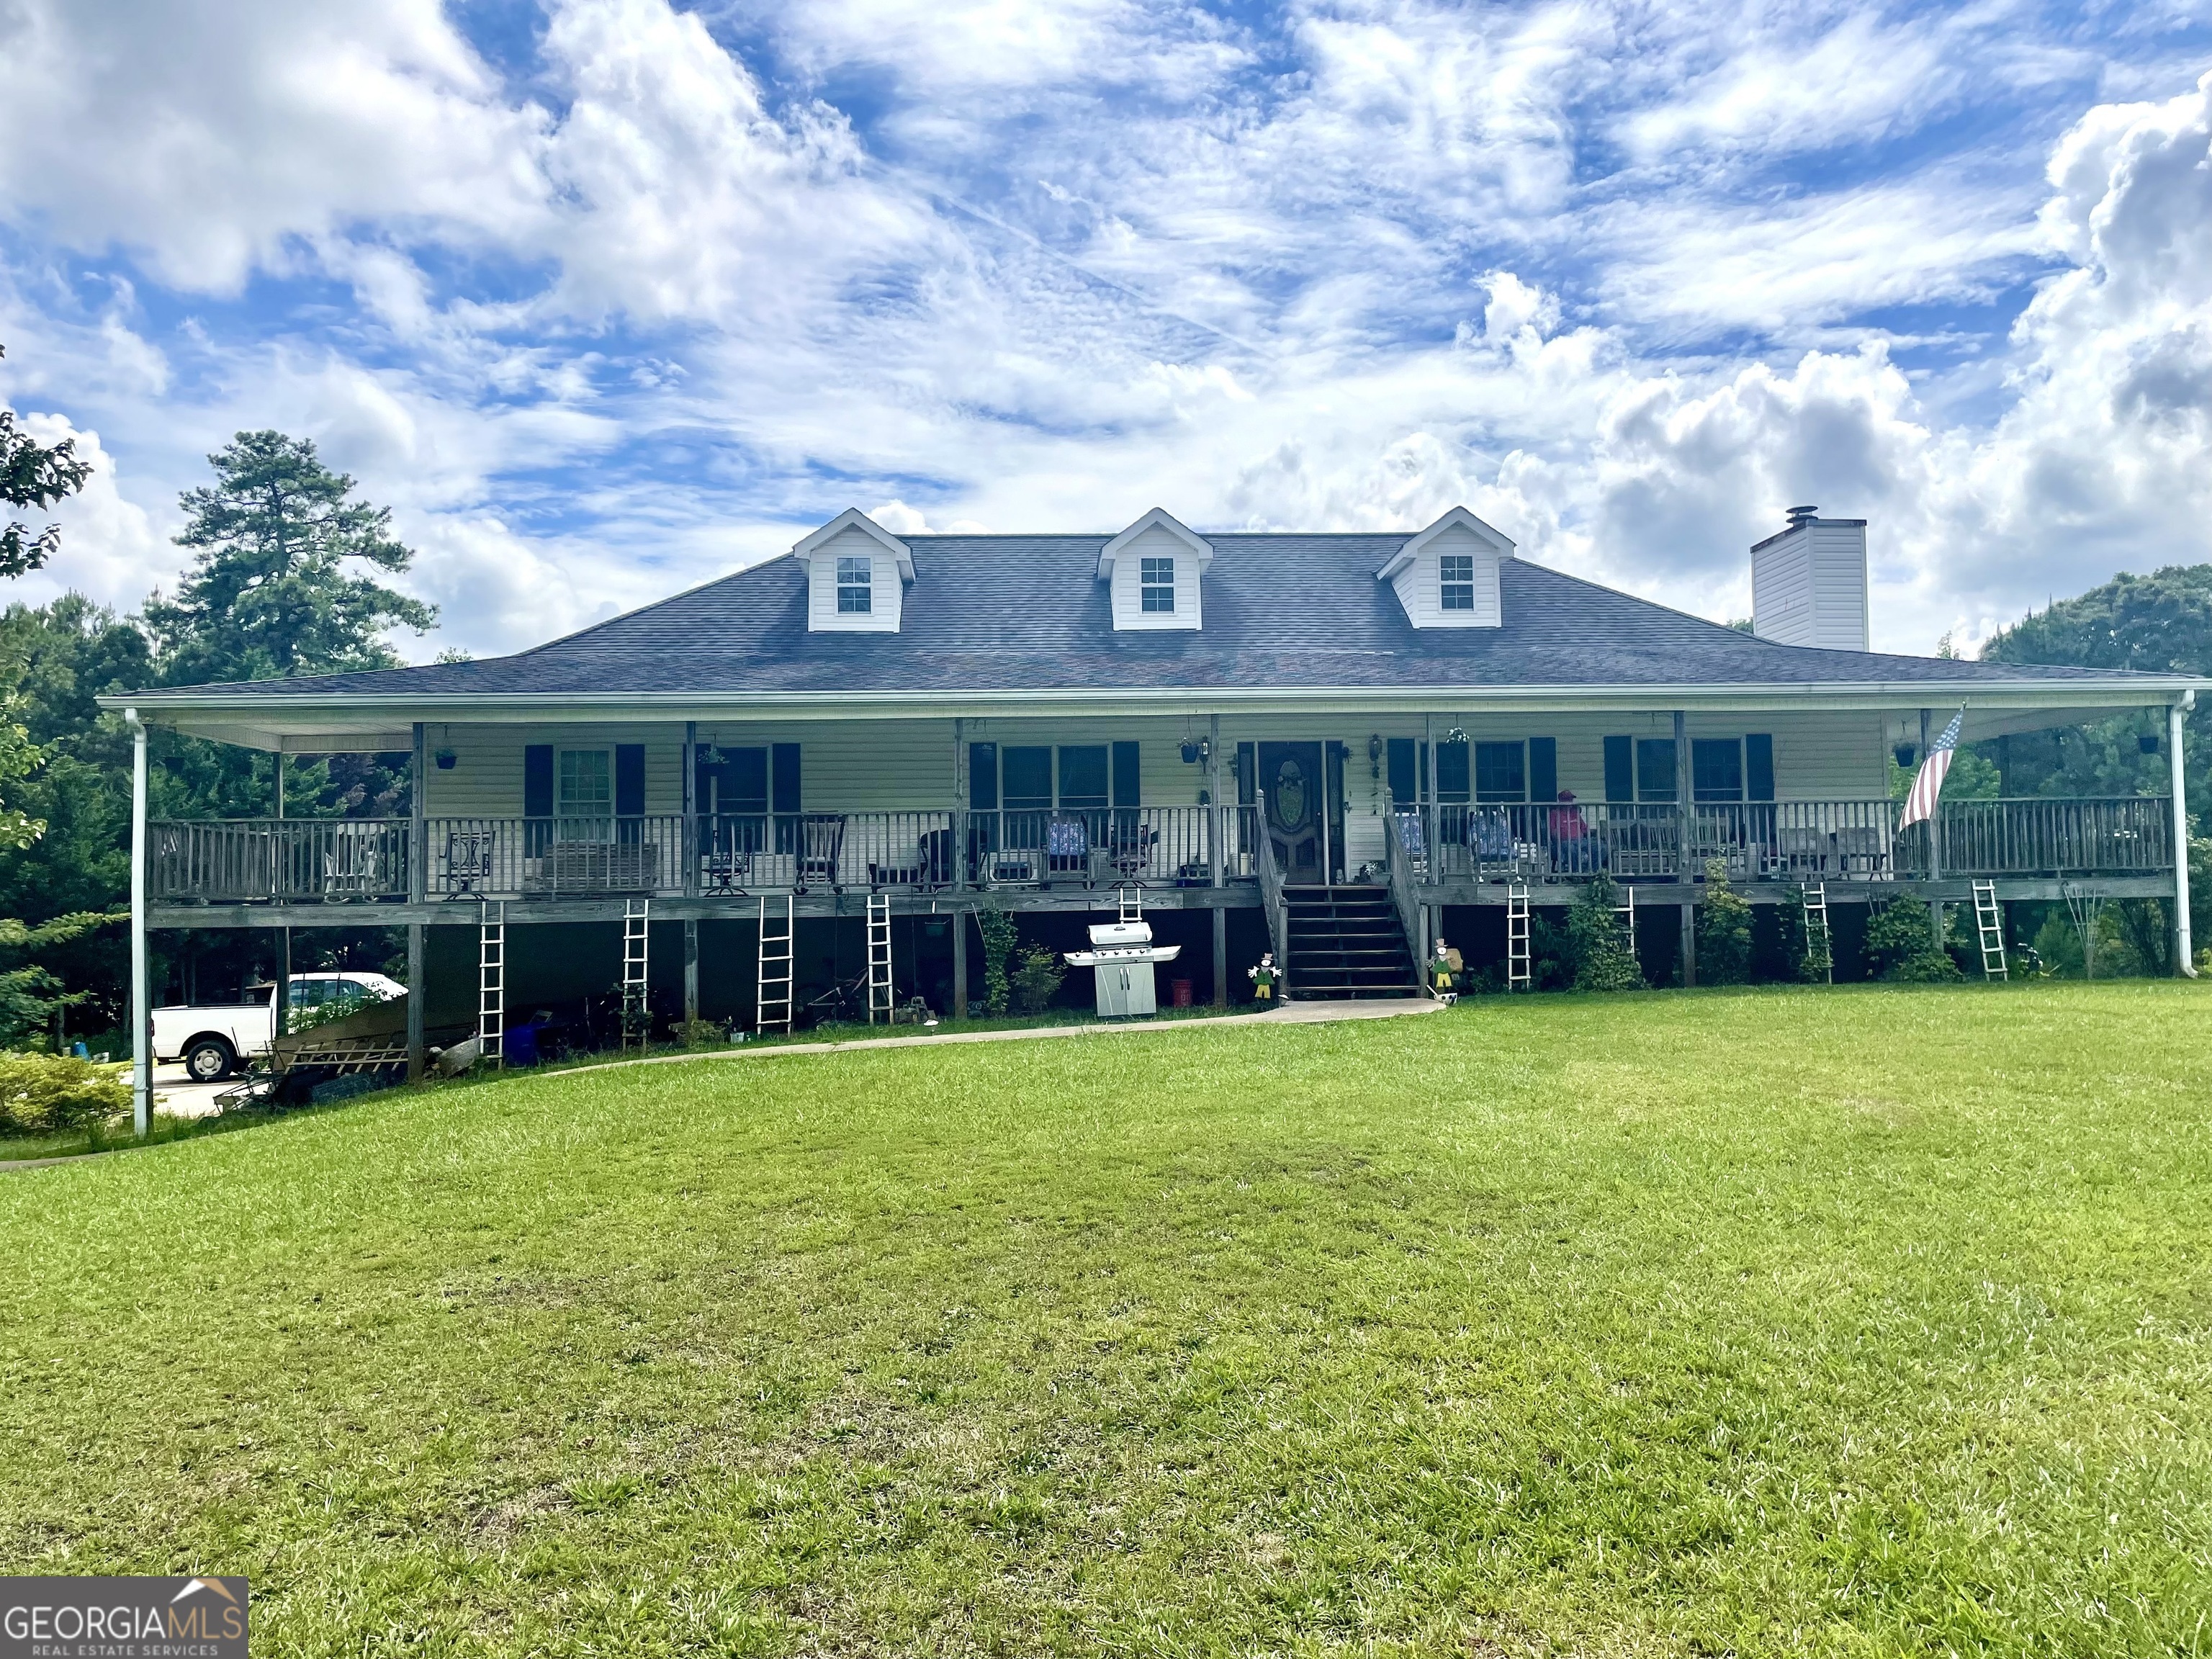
263	860
669	855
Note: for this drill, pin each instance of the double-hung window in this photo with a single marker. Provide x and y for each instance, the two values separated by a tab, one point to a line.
855	587
1501	771
1456	574
1156	586
584	802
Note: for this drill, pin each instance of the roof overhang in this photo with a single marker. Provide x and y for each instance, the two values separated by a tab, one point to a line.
338	724
1458	519
852	519
1159	519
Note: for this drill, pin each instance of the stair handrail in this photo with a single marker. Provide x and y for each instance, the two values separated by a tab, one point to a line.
1397	869
1271	902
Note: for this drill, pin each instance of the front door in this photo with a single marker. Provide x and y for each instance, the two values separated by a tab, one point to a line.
1290	779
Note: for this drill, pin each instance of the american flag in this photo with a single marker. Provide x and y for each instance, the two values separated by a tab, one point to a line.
1929	783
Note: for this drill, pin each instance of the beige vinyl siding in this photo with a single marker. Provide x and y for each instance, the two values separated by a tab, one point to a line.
911	765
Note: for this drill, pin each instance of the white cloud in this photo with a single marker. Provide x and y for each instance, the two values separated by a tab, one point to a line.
112	549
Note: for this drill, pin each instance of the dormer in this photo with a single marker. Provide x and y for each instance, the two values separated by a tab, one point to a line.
1153	569
856	576
1447	575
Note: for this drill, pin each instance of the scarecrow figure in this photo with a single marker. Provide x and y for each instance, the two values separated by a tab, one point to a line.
1263	978
1444	969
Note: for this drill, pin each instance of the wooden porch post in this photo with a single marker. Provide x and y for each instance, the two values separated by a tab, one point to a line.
2184	961
959	964
280	1014
418	989
687	838
1220	958
1685	847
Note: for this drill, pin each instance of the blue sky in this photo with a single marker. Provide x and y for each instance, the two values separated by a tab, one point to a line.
605	297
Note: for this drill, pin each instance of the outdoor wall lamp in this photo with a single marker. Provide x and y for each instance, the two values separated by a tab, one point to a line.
1374	755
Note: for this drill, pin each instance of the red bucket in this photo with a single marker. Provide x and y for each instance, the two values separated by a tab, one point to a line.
1179	993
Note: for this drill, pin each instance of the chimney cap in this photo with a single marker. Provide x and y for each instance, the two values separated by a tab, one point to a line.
1802	515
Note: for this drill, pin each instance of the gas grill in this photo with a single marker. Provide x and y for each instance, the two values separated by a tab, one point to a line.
1121	958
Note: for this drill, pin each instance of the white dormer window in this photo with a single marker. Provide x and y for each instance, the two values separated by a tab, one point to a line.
1447	576
856	576
1156	584
1153	570
856	580
1455	573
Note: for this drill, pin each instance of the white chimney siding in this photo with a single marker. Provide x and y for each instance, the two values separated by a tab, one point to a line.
1418	572
1808	585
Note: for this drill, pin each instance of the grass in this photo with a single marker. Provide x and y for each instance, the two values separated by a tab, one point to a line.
110	1137
1853	1322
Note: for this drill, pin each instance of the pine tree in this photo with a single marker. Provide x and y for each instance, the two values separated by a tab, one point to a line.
271	593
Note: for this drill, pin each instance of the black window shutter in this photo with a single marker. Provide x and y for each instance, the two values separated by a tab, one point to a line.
537	780
1405	782
982	777
1126	785
1248	773
1620	769
1543	769
1758	766
783	778
629	780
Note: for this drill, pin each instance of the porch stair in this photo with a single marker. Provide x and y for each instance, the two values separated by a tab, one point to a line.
1345	944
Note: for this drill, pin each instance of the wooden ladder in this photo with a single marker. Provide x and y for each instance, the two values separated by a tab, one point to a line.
1517	975
1988	921
772	984
491	982
1817	936
636	1006
881	997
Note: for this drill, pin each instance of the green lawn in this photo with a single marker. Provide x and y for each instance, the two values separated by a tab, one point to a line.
1857	1321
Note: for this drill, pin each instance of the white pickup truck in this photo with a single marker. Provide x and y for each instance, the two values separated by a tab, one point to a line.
212	1039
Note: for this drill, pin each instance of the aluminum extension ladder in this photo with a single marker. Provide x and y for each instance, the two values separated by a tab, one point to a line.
772	984
1817	936
881	997
1988	921
636	1008
1624	919
491	983
1517	975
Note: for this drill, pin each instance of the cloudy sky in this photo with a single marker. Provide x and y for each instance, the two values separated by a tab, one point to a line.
605	297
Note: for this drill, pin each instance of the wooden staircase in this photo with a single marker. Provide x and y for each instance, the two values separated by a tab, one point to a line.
1347	942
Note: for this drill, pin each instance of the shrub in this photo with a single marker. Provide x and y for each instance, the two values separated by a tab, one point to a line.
699	1033
998	936
40	1094
1898	945
1603	960
1804	960
1723	931
1037	981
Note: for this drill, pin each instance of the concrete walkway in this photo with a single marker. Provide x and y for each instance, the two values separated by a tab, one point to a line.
1290	1013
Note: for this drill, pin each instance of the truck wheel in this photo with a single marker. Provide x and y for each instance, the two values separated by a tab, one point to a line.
209	1060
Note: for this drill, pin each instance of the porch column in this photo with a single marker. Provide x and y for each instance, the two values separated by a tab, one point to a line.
2184	955
142	1011
281	1015
1216	864
690	968
1220	958
418	886
418	998
959	964
1935	846
959	821
1686	844
689	838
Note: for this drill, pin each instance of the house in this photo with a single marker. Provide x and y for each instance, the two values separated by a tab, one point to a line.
1335	746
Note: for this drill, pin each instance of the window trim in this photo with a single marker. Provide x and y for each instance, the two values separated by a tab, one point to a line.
1699	794
1156	584
564	812
860	588
1495	797
1454	591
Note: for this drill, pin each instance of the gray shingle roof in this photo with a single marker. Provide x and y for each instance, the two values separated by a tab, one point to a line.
1013	613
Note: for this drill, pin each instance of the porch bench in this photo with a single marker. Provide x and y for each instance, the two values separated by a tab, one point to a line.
593	867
